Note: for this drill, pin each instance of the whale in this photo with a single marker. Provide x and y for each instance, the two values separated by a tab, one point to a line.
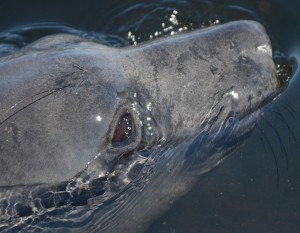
101	139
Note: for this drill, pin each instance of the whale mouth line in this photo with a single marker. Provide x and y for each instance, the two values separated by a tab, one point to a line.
43	198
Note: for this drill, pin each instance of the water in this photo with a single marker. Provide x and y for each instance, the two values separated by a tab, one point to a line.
258	188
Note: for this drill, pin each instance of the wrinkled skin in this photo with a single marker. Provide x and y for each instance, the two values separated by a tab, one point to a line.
189	101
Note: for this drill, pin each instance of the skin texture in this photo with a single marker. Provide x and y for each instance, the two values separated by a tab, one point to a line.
191	100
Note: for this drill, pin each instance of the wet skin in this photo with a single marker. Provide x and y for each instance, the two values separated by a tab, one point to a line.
118	135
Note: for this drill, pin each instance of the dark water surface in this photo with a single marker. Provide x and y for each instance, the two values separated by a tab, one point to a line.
258	188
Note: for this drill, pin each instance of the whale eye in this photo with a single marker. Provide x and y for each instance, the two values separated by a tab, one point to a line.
124	132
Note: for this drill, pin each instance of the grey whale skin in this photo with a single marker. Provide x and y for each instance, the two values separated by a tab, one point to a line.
101	139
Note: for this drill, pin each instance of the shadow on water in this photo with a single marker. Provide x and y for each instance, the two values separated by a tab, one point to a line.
257	189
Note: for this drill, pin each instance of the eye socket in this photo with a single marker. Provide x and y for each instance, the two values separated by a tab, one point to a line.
124	132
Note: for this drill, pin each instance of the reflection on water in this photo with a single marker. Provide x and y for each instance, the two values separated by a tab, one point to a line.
134	22
258	189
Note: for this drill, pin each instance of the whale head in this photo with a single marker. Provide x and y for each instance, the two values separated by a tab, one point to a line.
100	138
